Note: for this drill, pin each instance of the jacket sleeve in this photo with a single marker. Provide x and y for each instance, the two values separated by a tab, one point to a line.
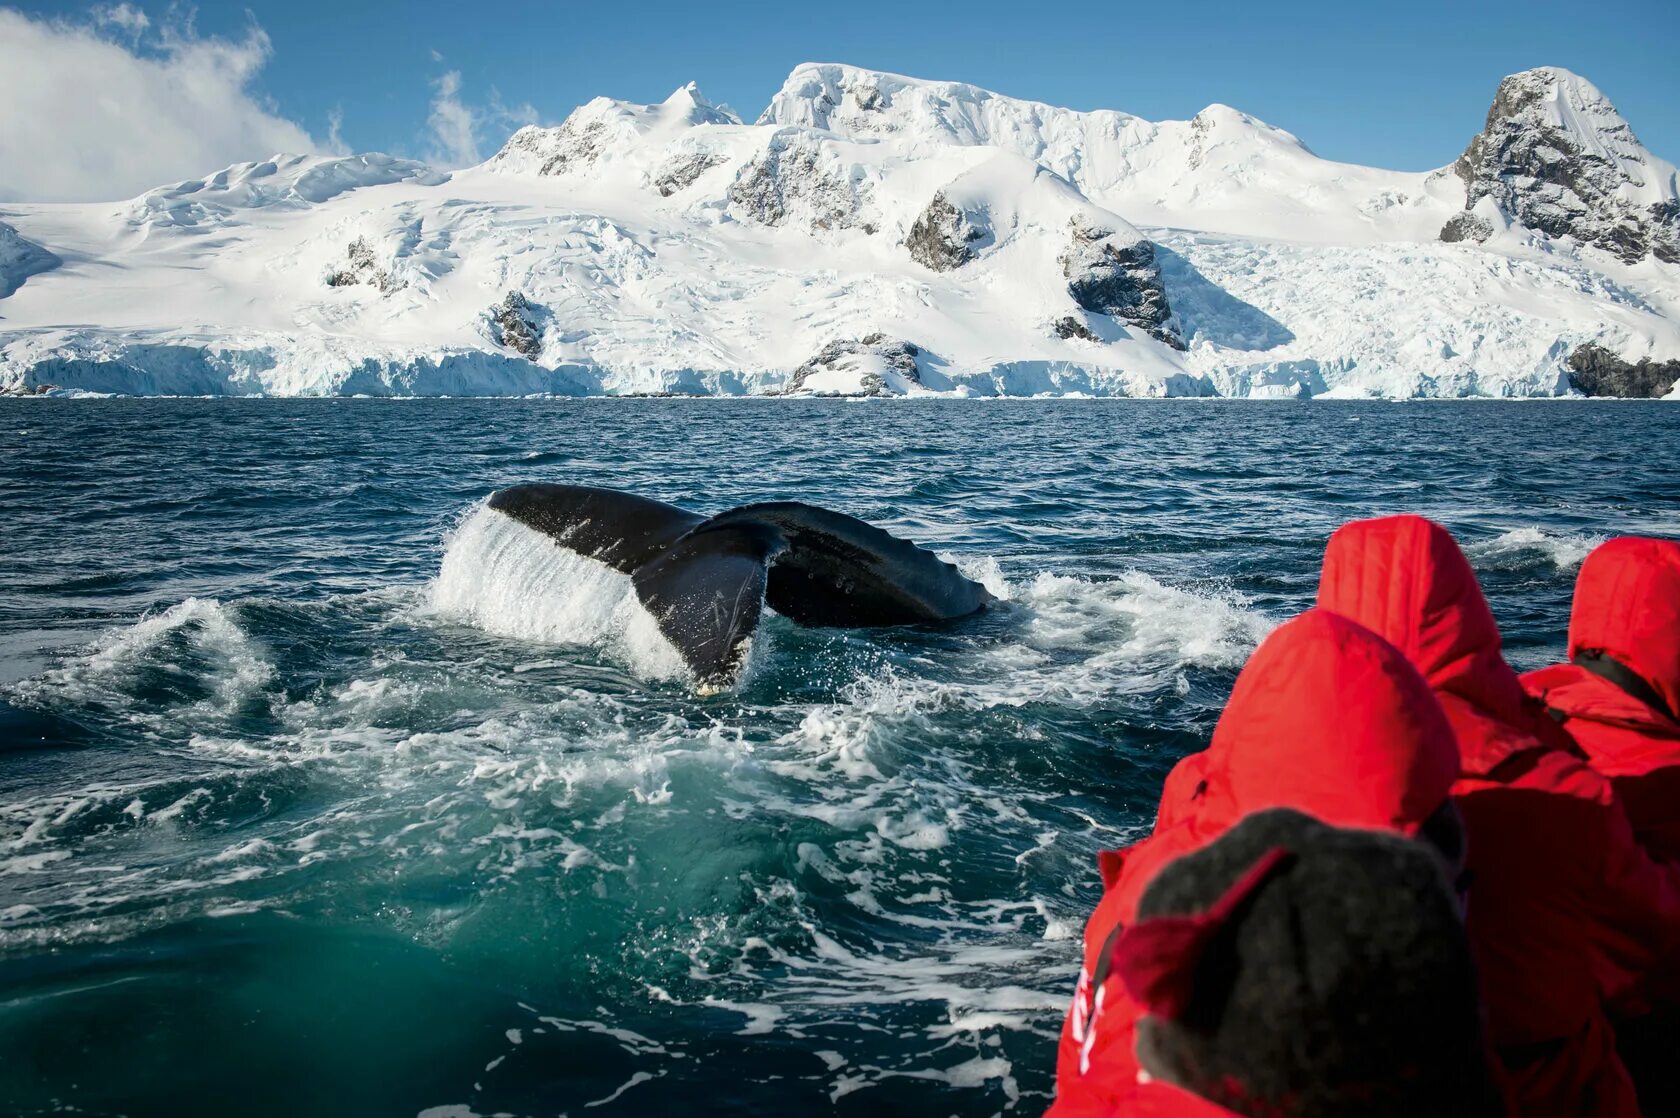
1636	909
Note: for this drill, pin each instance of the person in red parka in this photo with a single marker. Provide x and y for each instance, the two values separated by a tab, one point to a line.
1566	908
1619	695
1291	969
1326	718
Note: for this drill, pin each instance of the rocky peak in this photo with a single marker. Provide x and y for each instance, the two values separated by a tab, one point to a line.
1555	157
603	128
577	143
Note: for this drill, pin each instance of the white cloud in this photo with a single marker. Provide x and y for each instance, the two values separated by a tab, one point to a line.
126	18
456	126
335	131
451	122
84	116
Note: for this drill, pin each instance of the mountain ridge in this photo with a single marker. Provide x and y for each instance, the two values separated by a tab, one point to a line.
991	245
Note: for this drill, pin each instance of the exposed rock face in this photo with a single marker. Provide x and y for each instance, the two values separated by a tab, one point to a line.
1110	276
1557	158
792	177
872	359
1595	371
363	268
21	258
679	173
1466	226
1071	327
603	132
943	236
578	142
517	325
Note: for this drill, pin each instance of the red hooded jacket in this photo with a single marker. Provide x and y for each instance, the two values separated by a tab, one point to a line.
1566	907
1163	1100
1627	608
1325	718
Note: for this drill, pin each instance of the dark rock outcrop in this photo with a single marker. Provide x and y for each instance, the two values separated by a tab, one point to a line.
1595	371
791	173
874	349
516	324
1107	275
1466	226
1071	327
363	268
576	143
1557	158
869	99
680	172
943	236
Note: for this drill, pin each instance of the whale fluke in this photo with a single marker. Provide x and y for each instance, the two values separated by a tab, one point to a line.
622	530
707	580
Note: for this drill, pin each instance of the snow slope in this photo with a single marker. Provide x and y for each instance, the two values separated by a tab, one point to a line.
870	233
1221	171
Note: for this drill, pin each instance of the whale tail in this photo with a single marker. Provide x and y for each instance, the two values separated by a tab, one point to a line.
706	580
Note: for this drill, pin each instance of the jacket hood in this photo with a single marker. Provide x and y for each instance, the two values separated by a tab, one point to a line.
1326	718
1330	719
1627	606
1405	578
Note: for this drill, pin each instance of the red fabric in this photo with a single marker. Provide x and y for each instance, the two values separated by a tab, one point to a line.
1627	605
1325	718
1163	1100
1566	908
1157	958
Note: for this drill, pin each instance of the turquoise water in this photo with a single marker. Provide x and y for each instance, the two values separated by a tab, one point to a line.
322	791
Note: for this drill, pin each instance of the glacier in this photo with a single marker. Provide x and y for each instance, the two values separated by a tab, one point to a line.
868	234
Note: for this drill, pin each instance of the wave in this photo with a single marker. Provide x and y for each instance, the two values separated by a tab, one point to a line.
1526	548
852	858
195	650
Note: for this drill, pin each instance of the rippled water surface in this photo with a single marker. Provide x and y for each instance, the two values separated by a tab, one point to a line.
323	790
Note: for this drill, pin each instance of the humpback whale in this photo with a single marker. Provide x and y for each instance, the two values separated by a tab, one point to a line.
706	580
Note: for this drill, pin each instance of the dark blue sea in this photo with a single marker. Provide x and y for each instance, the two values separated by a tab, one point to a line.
325	791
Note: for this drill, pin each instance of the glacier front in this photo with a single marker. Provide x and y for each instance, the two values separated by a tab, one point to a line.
869	234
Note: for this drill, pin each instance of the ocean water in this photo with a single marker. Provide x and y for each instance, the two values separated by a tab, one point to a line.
324	791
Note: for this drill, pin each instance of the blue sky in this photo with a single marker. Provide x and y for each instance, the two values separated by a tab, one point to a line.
1401	86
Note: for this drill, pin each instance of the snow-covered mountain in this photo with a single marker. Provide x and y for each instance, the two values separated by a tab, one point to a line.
869	233
1557	159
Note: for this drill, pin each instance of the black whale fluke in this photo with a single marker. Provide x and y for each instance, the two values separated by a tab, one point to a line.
706	581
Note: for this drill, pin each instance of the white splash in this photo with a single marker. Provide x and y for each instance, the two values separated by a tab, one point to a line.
506	579
1525	547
